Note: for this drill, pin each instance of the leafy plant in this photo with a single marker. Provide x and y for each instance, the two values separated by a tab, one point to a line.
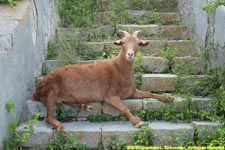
11	2
211	6
63	142
77	13
116	144
52	51
71	48
143	137
104	118
15	138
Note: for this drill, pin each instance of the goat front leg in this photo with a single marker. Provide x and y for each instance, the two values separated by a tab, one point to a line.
145	94
116	102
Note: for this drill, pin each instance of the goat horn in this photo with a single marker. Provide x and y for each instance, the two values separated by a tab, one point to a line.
136	32
124	32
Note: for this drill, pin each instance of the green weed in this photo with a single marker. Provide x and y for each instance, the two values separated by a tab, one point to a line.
211	6
15	138
11	2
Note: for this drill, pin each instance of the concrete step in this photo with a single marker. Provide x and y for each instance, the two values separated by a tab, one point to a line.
175	32
33	107
161	133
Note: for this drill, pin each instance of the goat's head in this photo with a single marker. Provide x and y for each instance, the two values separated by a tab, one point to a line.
130	43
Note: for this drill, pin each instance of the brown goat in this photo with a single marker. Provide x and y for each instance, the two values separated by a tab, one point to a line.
108	81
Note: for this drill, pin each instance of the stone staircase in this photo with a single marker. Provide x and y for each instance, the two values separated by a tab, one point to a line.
167	32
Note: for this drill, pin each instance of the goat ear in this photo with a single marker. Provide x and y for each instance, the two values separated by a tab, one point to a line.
118	42
143	43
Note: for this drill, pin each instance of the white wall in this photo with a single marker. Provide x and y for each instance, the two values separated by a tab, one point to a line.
24	33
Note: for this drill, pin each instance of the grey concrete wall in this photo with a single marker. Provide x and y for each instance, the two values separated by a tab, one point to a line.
206	29
24	34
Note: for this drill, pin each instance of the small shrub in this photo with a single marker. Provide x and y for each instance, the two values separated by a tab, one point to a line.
11	2
15	138
63	142
211	6
52	51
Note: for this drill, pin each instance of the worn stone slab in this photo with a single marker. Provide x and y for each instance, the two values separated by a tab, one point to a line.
132	104
191	80
206	128
159	82
84	132
148	30
171	134
51	65
169	17
109	46
155	64
102	18
202	103
67	33
43	135
92	46
106	30
122	130
31	108
190	65
185	47
219	25
156	104
138	15
179	103
176	32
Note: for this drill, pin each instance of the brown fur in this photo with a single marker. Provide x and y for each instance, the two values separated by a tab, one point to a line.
108	81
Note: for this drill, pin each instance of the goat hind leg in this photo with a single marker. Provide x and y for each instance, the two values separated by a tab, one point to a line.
50	104
117	103
145	94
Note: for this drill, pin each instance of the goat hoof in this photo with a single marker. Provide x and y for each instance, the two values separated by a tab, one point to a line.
169	98
86	107
139	124
59	128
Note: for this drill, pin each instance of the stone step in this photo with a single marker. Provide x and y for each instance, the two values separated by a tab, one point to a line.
169	17
138	17
184	47
161	133
108	32
168	82
151	64
86	35
168	5
188	65
153	31
33	107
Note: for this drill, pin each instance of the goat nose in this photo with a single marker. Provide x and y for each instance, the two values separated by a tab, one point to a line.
130	54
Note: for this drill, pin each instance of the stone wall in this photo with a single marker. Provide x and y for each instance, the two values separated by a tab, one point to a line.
206	29
24	34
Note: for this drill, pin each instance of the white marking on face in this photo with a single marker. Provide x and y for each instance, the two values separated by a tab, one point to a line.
130	55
